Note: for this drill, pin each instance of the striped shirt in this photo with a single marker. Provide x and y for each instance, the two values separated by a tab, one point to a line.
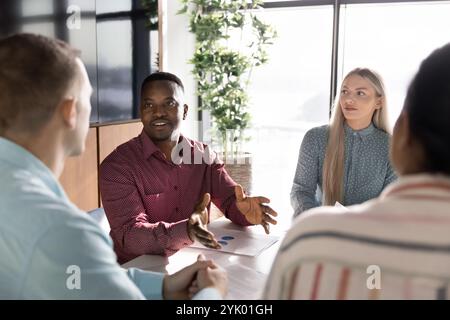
396	246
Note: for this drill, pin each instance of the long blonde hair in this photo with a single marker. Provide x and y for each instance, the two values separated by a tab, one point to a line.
333	165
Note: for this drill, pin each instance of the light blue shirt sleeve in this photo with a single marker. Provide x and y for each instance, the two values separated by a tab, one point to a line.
149	283
75	261
87	269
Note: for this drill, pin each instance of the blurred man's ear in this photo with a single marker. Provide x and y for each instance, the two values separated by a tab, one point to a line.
410	155
408	140
402	127
68	111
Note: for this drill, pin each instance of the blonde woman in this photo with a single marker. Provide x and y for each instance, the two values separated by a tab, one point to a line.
347	161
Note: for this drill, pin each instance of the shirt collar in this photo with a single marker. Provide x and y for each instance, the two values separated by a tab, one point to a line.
362	133
20	158
149	148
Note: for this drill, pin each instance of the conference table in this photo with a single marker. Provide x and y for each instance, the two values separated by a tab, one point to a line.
247	267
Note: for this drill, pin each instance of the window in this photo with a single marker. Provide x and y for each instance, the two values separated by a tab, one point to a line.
289	95
44	28
116	46
125	56
49	18
115	59
108	6
392	38
36	8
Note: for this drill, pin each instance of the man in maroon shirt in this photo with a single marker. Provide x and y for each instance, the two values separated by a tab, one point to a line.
157	198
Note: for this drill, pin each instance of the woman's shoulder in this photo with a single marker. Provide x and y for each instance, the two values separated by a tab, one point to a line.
382	134
318	131
317	134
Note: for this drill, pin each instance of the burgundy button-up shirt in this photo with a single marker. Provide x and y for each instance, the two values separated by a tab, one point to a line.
149	199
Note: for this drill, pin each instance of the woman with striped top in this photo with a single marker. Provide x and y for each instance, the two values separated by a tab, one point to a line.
396	246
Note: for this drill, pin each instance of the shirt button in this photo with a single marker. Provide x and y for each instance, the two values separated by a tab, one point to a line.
176	209
175	187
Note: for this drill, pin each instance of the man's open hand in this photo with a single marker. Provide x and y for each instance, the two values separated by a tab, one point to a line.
254	209
197	225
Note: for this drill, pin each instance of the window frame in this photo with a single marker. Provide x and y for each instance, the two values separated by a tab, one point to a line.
336	27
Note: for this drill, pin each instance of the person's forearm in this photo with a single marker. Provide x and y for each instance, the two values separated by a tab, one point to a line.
161	238
224	195
149	283
235	215
302	201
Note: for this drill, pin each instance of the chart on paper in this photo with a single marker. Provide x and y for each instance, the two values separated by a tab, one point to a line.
239	242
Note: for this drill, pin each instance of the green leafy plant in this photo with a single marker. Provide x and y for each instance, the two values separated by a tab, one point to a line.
223	72
151	12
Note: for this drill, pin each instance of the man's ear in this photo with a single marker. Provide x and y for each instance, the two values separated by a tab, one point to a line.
68	111
185	111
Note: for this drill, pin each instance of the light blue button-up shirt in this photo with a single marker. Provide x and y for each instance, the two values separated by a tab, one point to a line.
49	249
367	169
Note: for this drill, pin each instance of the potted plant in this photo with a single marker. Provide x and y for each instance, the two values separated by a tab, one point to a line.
223	66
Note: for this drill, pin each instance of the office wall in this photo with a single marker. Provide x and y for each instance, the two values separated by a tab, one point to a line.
179	47
79	178
109	137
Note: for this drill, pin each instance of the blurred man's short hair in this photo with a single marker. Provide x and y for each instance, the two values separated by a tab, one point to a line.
35	74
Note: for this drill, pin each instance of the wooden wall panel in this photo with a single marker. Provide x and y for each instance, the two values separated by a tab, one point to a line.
79	178
109	137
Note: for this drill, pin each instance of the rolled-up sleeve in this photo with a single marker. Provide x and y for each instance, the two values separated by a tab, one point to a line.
131	229
223	195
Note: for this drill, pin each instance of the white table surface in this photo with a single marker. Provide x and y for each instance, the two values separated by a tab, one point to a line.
246	274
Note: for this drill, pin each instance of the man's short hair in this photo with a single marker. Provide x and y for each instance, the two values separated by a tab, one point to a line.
35	74
164	76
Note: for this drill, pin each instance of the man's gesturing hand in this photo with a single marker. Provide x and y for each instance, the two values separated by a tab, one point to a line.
197	225
254	210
